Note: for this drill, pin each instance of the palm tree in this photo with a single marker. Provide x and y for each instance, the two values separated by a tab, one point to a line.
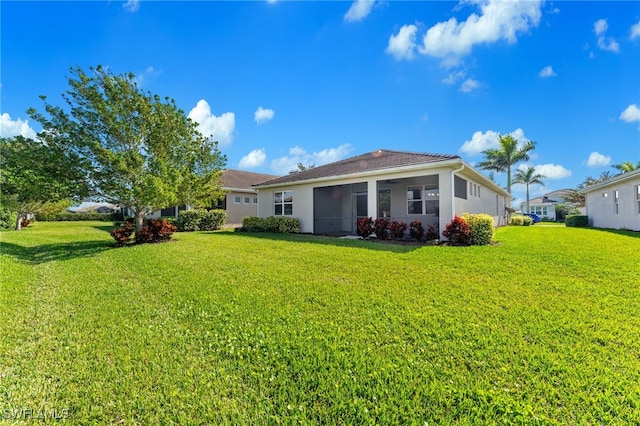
502	159
528	176
627	166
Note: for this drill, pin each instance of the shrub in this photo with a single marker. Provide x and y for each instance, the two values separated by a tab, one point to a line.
416	230
397	229
458	232
74	217
364	227
481	228
155	231
576	220
189	220
431	233
7	219
276	224
123	234
381	226
520	220
213	219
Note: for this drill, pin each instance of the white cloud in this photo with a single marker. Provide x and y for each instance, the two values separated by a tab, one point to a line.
469	85
143	76
132	5
298	154
600	27
359	10
498	20
489	140
402	45
635	31
454	77
255	158
552	171
630	114
598	160
263	115
17	127
218	128
547	72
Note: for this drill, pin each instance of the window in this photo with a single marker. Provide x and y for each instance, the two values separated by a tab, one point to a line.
283	203
539	210
423	200
246	200
616	198
460	187
255	200
604	195
414	200
638	198
236	199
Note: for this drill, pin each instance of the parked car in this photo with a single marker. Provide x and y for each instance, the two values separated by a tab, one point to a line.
533	216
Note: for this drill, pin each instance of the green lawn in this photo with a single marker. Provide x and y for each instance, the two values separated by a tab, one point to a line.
230	328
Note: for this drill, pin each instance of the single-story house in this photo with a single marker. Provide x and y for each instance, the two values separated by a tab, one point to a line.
615	203
402	186
545	206
241	199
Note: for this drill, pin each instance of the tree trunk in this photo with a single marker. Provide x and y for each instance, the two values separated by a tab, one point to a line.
19	222
139	216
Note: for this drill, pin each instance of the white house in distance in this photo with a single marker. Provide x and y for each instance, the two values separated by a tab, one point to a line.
402	186
545	206
615	203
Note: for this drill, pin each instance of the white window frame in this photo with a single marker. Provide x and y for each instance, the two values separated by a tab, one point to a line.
616	199
638	198
237	199
427	193
246	200
283	200
254	200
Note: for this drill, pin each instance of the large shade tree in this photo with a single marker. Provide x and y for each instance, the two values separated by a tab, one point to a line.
140	150
528	176
34	174
509	153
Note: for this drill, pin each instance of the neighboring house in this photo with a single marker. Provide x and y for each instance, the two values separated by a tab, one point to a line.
615	203
241	199
402	186
96	208
545	206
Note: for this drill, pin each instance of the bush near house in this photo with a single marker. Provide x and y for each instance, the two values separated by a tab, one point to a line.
416	230
155	231
481	228
381	226
275	224
7	219
365	227
577	221
200	220
520	220
458	232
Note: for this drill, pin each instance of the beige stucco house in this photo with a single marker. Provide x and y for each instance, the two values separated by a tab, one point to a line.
241	198
615	203
402	186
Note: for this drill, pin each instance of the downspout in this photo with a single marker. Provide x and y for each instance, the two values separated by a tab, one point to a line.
453	190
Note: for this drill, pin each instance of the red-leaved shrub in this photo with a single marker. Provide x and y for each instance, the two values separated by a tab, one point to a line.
155	231
123	234
364	227
458	232
397	229
416	230
381	226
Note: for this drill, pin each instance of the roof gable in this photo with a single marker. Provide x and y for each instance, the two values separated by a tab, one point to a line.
376	160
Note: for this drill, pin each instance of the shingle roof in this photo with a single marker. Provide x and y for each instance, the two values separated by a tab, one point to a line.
376	160
239	179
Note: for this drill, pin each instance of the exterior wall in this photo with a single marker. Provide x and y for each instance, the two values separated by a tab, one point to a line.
601	208
489	201
236	212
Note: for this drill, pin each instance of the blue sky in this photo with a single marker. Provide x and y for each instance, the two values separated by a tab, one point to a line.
282	82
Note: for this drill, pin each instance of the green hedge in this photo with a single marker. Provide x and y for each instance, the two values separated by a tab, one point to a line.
277	224
7	219
481	228
200	220
576	220
74	217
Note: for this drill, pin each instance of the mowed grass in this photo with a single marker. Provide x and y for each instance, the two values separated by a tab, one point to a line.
230	328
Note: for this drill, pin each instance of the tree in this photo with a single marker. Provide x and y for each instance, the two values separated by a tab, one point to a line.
626	167
141	152
34	174
528	176
301	168
504	158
